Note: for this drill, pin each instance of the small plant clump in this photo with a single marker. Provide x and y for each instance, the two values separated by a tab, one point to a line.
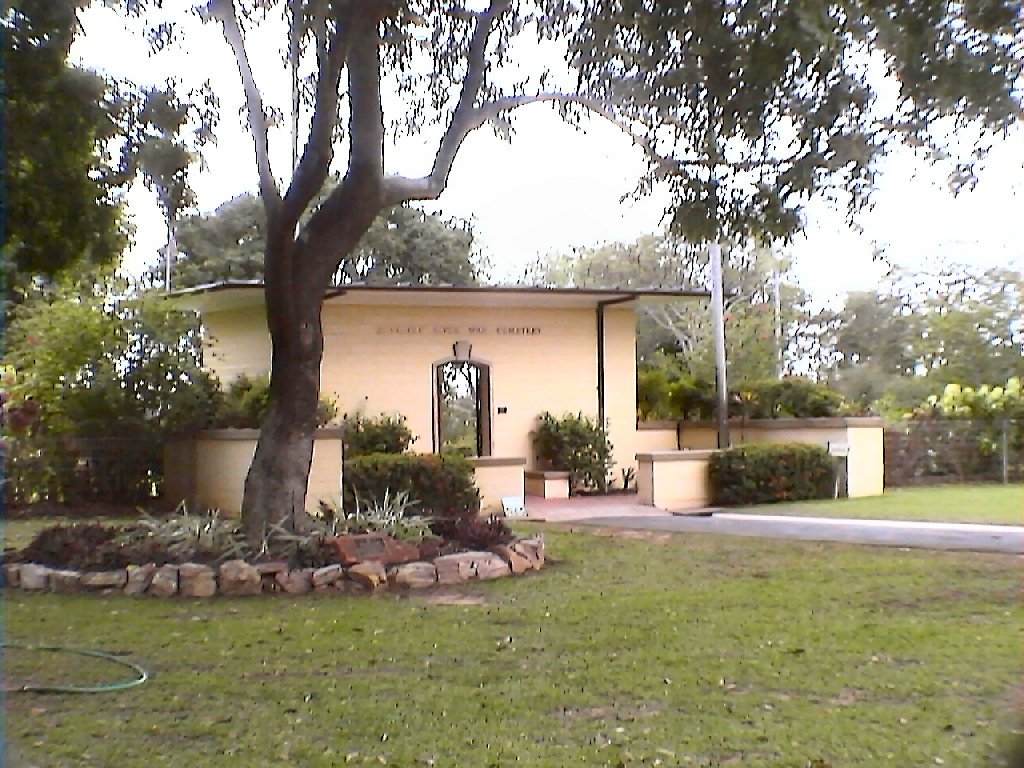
474	532
577	445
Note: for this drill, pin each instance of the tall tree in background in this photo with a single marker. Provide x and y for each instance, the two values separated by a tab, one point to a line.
403	245
60	202
75	140
746	110
763	339
920	331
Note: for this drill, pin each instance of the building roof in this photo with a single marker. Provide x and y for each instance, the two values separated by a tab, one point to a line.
243	293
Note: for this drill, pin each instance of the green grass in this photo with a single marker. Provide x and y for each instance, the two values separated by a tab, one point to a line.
665	650
1003	504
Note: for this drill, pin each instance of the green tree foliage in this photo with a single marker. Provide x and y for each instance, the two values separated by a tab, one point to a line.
59	203
404	245
82	365
920	331
748	109
759	342
74	140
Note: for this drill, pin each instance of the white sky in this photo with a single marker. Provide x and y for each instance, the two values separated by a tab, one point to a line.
555	187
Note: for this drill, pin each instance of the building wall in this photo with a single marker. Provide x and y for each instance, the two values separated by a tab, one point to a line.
378	359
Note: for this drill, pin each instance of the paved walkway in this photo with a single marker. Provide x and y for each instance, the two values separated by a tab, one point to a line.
624	512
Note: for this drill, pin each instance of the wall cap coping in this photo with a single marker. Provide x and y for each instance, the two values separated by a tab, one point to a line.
325	433
823	422
546	474
656	424
497	461
655	457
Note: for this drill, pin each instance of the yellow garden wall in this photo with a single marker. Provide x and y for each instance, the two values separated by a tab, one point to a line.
497	478
862	437
673	479
207	470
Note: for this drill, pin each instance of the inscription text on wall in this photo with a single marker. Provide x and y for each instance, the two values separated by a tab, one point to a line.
458	330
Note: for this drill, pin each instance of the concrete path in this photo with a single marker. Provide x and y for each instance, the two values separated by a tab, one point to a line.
624	512
889	533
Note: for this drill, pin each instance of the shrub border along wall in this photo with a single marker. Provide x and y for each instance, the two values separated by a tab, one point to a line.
764	473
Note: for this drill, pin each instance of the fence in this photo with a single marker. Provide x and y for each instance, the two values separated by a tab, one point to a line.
927	452
111	470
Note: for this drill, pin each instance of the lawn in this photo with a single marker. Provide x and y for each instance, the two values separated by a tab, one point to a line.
1002	504
664	650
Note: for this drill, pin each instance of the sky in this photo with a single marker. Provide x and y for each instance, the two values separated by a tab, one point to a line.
557	187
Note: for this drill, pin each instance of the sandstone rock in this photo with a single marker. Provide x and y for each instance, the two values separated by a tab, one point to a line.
237	577
518	562
369	574
532	549
65	582
363	547
165	581
105	579
455	569
195	580
430	548
139	578
323	577
490	566
414	575
34	576
272	567
297	582
12	574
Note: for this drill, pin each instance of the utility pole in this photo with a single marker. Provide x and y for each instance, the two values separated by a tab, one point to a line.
718	325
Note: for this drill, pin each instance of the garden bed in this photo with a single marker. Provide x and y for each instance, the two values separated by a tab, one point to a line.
368	564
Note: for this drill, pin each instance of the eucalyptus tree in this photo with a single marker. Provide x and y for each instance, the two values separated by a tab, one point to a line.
745	109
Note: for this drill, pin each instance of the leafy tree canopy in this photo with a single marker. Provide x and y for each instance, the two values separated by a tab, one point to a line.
404	245
683	328
749	108
919	331
74	140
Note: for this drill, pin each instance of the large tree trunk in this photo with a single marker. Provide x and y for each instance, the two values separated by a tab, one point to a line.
297	273
275	488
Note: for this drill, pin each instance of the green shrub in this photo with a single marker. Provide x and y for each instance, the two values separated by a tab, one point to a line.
759	474
364	435
442	485
244	403
577	445
789	397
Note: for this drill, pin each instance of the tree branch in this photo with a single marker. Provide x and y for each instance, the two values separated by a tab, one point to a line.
224	10
314	165
366	118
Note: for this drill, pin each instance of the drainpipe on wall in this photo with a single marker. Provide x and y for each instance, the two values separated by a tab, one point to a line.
600	353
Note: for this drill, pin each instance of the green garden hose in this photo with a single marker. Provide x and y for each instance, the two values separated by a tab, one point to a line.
30	688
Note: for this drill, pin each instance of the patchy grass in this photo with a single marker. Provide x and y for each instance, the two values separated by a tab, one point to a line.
669	650
996	504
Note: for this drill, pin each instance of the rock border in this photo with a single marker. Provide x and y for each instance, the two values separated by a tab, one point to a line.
237	578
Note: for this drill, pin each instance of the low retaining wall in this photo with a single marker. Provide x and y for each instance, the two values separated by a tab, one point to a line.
547	484
237	578
859	438
207	470
673	479
496	478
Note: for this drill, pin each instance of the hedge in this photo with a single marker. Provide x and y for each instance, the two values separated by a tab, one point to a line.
441	484
760	474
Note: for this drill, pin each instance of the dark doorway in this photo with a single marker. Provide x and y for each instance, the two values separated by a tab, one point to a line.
462	407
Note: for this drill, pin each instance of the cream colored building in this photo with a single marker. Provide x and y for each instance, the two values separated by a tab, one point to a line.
400	350
474	368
